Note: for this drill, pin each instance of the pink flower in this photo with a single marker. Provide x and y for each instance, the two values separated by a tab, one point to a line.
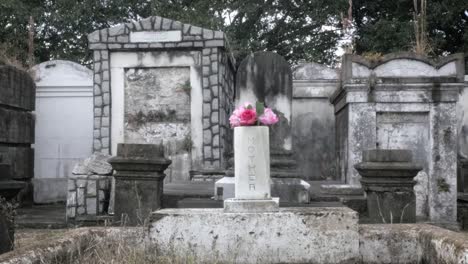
268	117
248	117
243	116
234	120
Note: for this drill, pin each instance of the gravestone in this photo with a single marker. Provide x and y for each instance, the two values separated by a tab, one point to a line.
267	77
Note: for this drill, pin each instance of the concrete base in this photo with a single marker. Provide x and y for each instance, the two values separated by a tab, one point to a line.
290	190
251	206
291	235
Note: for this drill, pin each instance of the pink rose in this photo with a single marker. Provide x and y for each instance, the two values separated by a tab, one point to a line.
268	117
248	117
234	120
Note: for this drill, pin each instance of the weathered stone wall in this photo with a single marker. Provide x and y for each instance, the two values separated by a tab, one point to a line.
313	125
404	101
165	35
226	102
88	197
17	101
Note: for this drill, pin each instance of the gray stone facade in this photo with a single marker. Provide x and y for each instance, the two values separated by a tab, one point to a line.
313	120
217	77
403	101
88	197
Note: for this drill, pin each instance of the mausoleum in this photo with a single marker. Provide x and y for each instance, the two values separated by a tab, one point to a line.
161	80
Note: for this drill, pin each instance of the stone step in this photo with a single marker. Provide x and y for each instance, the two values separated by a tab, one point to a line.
209	203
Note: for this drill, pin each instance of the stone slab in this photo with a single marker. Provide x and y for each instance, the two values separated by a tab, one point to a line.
156	36
341	189
292	235
251	206
288	190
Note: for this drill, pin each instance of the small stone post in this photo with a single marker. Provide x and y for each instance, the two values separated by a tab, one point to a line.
139	174
387	178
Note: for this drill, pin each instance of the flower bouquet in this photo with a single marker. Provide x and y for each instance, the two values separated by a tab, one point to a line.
247	115
252	150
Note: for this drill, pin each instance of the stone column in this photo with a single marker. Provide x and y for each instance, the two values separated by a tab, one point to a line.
139	174
387	177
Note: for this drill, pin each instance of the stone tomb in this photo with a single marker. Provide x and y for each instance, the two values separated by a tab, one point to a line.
403	101
161	80
62	138
313	119
251	228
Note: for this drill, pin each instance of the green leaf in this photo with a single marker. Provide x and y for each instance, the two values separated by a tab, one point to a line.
259	108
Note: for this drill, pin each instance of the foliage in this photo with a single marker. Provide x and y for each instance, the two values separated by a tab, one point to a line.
388	26
297	29
301	29
8	209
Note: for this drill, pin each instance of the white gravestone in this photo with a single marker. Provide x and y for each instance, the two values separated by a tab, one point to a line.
252	171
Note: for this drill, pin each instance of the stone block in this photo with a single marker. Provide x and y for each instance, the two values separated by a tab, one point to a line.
130	46
105	87
207	152
166	24
71	199
206	95
206	70
184	44
146	24
106	111
224	188
234	205
291	235
71	212
206	60
106	98
105	122
97	46
91	188
93	37
215	116
81	183
213	79
81	210
71	184
207	136
98	101
208	34
195	30
122	39
91	206
117	30
214	43
218	35
80	197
